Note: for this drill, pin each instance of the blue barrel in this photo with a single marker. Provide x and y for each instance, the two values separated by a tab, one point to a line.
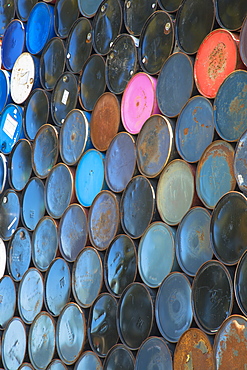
4	258
12	354
25	366
88	361
23	8
239	283
13	43
88	8
119	355
7	13
194	128
5	96
11	127
10	210
57	364
240	164
8	300
20	164
154	350
4	184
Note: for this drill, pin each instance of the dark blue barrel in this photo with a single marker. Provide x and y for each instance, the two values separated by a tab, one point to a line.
13	43
4	184
194	128
154	350
230	14
12	354
88	361
23	8
5	96
20	164
66	12
239	283
170	6
7	13
88	8
79	44
136	12
8	300
10	210
119	355
11	127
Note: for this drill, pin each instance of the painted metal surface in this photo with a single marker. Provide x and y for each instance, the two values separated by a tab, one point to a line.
239	283
240	164
10	210
13	355
8	300
230	14
11	127
5	96
57	365
119	356
243	42
136	13
20	164
7	14
3	173
88	8
33	204
23	8
170	6
88	361
66	12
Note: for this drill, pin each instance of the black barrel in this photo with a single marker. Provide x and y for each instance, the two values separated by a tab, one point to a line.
170	6
136	12
65	13
7	13
23	8
230	14
88	8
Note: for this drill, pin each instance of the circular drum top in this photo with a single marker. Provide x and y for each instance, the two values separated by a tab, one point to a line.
230	14
240	164
177	72
11	127
66	12
119	355
156	42
88	361
230	109
136	13
10	213
88	8
153	351
7	13
23	8
170	5
8	300
13	43
5	96
57	365
243	42
240	283
216	58
194	20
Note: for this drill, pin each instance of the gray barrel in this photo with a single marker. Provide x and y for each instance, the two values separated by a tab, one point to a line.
119	357
153	351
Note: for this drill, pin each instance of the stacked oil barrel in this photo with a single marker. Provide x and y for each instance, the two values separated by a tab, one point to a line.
123	182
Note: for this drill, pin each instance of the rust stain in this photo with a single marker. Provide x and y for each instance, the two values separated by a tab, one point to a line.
186	131
200	235
217	61
237	104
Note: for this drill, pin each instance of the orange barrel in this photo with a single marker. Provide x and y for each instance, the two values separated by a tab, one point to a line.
230	111
88	361
20	164
8	295
44	243
170	6
57	286
217	56
11	353
135	316
52	63
87	277
176	191
45	150
175	84
155	145
41	340
72	232
78	44
107	24
33	204
173	307
7	13
120	264
30	295
194	349
70	333
105	121
57	364
214	173
102	328
230	344
119	356
230	14
64	97
154	352
228	231
243	42
66	12
10	210
194	20
136	12
212	296
194	128
19	253
239	164
138	102
239	283
88	8
121	63
156	42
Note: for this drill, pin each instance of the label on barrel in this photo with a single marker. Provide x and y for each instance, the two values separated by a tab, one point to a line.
65	97
9	126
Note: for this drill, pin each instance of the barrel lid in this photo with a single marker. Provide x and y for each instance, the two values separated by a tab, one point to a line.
177	71
120	161
19	253
10	127
119	355
13	43
138	102
212	284
20	164
70	333
79	44
88	361
44	243
156	42
156	254
107	24
25	366
194	347
89	178
73	222
12	354
154	350
137	206
105	121
120	264
240	166
121	63
8	300
41	340
155	145
92	81
88	8
228	234
230	14
136	13
57	286
23	8
173	308
243	42
194	21
102	328
193	245
87	277
10	212
240	283
5	88
57	365
52	63
65	12
3	172
214	173
30	295
64	97
170	6
194	128
7	13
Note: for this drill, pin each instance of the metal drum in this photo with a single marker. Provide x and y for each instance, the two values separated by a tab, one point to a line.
88	361
20	164
239	283
243	42
194	128
120	264
26	366
66	12
8	300
11	127
175	84
119	356
88	8
10	213
239	164
170	6
153	351
23	8
156	42
173	307
13	354
57	365
87	277
230	14
3	173
136	12
3	258
7	13
212	296
5	97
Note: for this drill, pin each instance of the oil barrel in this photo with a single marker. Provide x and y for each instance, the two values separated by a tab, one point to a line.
20	164
119	356
239	163
136	13
11	127
13	355
7	14
5	96
57	364
10	210
230	14
88	361
23	8
242	42
88	8
3	173
65	14
239	284
170	6
8	292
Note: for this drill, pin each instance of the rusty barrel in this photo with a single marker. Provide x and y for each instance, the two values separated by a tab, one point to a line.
170	6
57	364
239	283
239	163
88	8
243	41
